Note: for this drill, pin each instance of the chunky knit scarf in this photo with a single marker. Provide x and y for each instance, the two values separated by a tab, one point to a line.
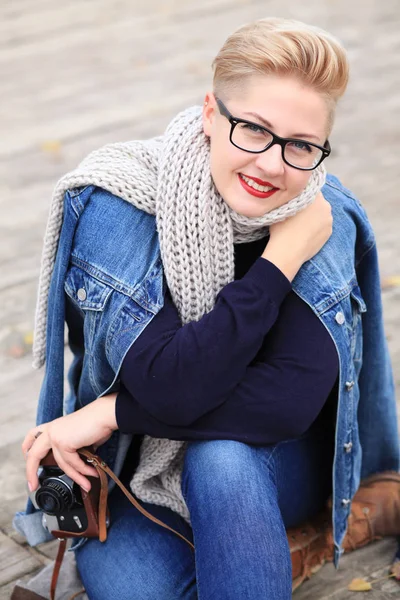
169	177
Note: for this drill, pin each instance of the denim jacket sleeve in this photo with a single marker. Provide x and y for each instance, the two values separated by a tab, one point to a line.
50	405
377	407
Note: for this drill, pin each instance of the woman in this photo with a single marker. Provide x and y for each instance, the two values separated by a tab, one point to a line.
251	347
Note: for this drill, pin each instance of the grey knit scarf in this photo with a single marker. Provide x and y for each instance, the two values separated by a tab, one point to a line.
169	177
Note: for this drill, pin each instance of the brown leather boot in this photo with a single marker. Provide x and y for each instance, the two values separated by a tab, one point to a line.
308	546
375	513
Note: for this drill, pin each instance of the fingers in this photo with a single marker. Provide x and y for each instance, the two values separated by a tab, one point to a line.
34	450
35	447
74	467
31	437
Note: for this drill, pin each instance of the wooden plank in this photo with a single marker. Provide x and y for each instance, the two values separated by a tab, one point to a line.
15	561
371	562
6	590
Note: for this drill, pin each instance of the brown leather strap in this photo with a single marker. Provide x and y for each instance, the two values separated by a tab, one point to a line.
101	466
82	591
102	469
102	512
57	566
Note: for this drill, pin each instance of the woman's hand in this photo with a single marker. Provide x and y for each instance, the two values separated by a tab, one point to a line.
297	239
91	425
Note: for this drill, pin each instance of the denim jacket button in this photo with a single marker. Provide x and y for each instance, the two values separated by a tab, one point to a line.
346	501
81	294
339	318
349	385
347	447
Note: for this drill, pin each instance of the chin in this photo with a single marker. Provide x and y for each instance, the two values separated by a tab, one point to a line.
249	211
252	214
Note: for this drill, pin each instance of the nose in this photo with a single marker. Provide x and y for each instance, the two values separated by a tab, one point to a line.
271	161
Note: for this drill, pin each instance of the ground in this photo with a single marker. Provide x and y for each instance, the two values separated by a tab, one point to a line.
83	73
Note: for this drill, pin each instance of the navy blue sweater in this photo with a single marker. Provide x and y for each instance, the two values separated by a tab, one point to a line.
258	368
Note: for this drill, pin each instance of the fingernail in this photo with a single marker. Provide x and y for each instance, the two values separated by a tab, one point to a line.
30	486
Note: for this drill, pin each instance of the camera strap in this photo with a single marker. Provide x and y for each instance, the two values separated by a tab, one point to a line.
103	470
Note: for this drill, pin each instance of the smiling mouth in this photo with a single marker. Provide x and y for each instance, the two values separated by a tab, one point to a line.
255	188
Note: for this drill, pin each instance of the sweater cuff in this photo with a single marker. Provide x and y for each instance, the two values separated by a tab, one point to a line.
123	411
271	279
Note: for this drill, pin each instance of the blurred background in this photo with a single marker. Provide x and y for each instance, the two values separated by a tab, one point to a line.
82	73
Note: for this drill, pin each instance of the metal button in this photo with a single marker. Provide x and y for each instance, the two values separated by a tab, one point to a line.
82	294
339	318
349	385
346	501
347	447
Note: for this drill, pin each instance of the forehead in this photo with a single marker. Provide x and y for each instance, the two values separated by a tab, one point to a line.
286	103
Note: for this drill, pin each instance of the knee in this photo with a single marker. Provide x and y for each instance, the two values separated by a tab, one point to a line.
222	465
217	457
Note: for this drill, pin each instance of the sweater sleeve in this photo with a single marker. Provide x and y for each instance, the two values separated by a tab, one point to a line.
179	373
280	395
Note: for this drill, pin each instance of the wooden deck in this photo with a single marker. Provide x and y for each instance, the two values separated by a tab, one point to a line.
83	73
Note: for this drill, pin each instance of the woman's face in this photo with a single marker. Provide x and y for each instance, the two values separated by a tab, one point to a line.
286	107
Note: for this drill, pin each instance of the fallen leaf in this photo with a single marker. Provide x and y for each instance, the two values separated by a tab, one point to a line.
395	569
51	147
16	351
359	585
140	63
390	282
196	68
28	338
17	343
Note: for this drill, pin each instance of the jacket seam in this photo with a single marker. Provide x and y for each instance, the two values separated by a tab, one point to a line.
373	245
102	276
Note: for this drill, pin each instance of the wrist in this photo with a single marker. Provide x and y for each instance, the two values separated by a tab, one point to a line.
288	264
108	411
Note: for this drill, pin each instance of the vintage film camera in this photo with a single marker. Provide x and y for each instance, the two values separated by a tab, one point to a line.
68	510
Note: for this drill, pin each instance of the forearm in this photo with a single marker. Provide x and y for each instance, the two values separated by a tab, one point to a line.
247	416
279	396
179	373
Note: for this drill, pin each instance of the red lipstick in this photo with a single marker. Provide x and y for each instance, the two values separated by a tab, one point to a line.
257	193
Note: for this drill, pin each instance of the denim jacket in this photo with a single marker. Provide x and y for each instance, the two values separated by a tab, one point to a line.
108	267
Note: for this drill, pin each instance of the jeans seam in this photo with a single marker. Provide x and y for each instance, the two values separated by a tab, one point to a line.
270	457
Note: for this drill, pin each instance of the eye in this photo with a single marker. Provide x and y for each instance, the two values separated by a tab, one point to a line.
302	147
252	127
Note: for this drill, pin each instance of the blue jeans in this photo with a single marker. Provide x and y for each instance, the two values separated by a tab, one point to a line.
241	498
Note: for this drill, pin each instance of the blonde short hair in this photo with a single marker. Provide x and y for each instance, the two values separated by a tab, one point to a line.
275	46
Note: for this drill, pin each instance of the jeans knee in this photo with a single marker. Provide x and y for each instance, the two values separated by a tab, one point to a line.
219	466
217	457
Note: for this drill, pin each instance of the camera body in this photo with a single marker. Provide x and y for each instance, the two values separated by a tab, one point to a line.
68	510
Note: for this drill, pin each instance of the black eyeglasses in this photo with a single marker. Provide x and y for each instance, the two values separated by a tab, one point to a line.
254	138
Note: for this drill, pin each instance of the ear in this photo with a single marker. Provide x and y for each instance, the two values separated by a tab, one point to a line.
209	111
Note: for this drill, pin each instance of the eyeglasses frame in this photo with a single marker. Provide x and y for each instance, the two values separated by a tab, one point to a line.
276	139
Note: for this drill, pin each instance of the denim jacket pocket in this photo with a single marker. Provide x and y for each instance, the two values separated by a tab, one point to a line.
86	291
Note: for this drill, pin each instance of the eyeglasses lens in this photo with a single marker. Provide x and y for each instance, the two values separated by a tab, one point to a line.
255	139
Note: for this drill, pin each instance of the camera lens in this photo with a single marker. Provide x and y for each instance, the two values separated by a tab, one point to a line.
49	504
54	496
